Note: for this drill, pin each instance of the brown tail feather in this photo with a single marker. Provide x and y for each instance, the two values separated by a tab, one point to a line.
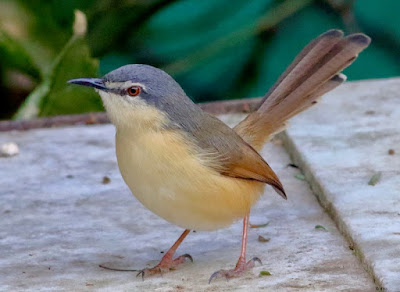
314	72
315	95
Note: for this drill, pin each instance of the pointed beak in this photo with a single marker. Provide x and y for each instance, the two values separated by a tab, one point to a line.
91	82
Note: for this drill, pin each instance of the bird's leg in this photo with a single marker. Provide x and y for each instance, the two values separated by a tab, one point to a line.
241	265
168	263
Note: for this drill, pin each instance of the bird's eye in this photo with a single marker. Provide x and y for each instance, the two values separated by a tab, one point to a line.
134	90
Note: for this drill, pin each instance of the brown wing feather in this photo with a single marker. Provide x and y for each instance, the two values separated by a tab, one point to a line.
230	155
250	165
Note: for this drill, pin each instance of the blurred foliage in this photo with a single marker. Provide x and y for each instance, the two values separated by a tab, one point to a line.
53	96
216	49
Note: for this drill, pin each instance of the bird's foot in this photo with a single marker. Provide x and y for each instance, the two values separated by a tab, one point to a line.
166	264
240	269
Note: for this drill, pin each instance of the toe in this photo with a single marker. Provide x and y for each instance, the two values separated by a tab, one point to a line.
149	272
141	273
164	266
238	271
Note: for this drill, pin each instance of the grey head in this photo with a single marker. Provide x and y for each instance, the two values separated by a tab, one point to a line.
157	84
156	88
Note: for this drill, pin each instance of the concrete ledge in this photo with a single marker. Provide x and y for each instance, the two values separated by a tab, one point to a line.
352	135
59	221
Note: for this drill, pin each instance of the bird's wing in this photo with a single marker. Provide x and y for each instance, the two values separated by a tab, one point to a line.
231	155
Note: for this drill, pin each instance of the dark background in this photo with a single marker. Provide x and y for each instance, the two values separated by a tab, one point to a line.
216	49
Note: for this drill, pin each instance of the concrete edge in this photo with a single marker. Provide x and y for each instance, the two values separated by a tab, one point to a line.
320	193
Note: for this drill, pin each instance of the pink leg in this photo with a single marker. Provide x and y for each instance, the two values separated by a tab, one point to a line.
167	263
241	265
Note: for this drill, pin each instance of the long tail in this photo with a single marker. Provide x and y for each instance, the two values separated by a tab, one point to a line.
314	72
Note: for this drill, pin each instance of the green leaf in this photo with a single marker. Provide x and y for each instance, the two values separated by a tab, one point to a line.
54	96
238	35
258	225
30	107
74	62
51	23
300	176
320	227
265	273
14	55
375	179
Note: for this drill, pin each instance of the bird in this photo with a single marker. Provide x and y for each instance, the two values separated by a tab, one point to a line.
189	167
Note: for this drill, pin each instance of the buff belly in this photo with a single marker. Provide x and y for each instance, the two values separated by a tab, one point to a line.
173	182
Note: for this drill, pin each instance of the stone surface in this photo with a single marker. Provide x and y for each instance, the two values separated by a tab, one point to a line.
349	137
60	219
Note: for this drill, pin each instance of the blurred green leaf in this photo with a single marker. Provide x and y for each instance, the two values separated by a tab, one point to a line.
320	227
265	273
300	176
384	15
31	106
14	55
258	225
375	179
53	26
271	17
54	96
218	49
66	99
112	22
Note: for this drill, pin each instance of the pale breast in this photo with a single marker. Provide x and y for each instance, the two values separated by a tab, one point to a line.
168	177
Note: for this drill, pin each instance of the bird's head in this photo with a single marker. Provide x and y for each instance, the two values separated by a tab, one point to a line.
137	94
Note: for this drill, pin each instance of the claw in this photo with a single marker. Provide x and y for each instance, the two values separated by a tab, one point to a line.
256	259
188	256
140	273
215	276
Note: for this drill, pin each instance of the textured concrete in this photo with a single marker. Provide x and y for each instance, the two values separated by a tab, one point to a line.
59	221
353	134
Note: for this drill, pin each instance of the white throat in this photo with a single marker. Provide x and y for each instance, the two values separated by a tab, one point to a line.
132	113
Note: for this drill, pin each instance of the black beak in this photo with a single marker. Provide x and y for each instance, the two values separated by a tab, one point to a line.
91	82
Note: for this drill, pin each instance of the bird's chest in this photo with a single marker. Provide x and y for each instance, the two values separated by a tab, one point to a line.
166	175
155	165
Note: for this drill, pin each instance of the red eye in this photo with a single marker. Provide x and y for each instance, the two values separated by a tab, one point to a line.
134	90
